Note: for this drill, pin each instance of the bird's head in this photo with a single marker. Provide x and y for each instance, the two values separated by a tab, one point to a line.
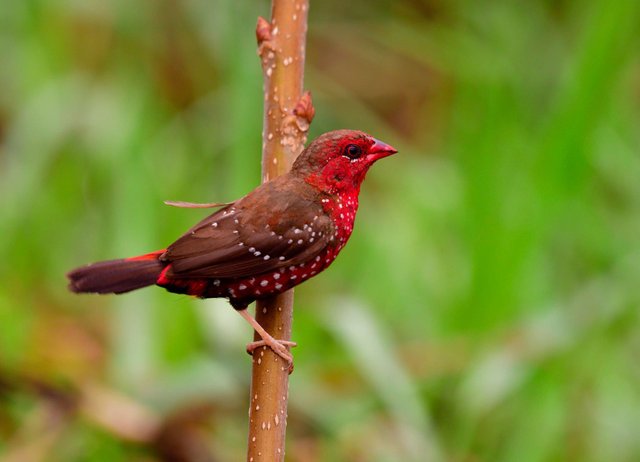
338	161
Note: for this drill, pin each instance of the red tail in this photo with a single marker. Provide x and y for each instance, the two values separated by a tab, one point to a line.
117	276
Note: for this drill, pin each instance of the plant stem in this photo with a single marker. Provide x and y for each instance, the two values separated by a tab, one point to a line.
287	115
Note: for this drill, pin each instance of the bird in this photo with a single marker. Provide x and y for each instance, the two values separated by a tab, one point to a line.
281	234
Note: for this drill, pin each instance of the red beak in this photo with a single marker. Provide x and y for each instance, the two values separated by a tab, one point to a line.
378	150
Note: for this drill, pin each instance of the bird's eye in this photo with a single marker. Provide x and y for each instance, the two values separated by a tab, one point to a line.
352	151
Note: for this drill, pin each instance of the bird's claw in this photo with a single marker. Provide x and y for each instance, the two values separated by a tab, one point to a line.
279	347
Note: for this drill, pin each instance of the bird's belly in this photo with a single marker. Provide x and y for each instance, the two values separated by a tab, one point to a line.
280	280
254	287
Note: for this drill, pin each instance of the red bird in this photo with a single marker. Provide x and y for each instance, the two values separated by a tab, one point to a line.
282	233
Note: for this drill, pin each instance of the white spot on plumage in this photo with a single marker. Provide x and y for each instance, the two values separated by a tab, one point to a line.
300	241
266	257
276	276
264	283
242	287
278	286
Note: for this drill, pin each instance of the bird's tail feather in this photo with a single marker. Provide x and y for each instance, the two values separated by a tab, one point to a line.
117	276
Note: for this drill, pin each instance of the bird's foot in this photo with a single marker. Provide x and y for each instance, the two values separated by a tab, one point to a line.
279	347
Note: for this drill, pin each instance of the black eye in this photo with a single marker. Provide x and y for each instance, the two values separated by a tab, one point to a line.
352	151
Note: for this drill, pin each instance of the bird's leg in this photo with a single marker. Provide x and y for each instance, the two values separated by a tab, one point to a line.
279	347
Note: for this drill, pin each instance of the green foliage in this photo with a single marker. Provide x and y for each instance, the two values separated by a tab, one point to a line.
486	308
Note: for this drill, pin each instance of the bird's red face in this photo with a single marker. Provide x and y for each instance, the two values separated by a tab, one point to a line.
338	161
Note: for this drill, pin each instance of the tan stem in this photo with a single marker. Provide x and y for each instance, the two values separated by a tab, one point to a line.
287	115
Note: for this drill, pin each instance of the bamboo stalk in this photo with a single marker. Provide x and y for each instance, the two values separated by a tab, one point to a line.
287	115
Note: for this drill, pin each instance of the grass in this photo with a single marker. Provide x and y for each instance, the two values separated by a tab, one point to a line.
487	301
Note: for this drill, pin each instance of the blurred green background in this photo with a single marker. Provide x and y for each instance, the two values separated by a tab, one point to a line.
486	308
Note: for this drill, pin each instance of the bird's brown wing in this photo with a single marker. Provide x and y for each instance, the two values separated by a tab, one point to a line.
258	234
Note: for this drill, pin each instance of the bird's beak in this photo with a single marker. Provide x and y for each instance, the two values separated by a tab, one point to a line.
378	150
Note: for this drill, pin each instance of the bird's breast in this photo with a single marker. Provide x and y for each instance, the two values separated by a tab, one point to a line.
342	210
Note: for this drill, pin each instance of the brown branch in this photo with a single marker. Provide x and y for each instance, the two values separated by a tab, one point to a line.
287	115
